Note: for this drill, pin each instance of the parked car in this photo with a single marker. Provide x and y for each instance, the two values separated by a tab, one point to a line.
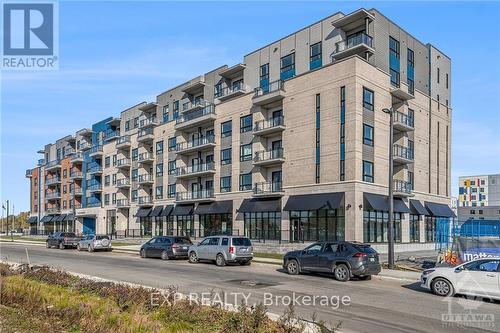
92	243
480	277
166	247
62	240
222	250
343	259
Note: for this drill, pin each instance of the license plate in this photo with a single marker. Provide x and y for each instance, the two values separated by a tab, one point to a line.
184	247
243	250
372	259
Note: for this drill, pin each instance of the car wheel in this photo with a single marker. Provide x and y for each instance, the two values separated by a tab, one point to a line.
47	245
61	246
193	258
442	287
143	253
164	255
220	261
292	267
341	273
365	277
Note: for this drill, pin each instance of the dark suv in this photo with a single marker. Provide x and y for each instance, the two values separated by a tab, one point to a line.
166	247
343	259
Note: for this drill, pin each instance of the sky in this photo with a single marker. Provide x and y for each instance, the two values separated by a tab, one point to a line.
116	54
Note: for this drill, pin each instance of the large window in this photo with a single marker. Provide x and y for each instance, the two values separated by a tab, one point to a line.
159	192
317	225
171	191
315	60
225	184
185	225
264	77
368	99
246	123
246	152
159	147
171	167
368	171
430	229
246	181
287	66
411	58
414	228
172	143
318	136
394	77
225	156
394	47
367	135
226	128
263	225
135	154
375	226
216	224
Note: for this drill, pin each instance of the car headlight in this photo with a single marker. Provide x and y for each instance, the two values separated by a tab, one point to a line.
428	271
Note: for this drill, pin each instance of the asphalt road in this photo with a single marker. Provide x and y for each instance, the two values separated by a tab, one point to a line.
379	305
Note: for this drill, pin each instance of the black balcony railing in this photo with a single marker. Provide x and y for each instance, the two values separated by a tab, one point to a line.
402	186
403	152
196	195
352	41
404	119
207	110
195	143
265	155
267	188
271	123
269	88
195	169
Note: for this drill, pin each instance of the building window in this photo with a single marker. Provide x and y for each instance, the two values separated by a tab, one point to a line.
414	228
447	82
165	113
113	179
171	167
134	195
480	211
246	123
114	160
411	86
394	47
318	136
225	156
113	198
225	184
342	133
107	180
430	229
127	125
159	147
171	191
159	192
246	181
65	189
106	199
135	174
394	61
315	56
287	66
375	226
394	77
136	122
226	129
172	143
175	109
368	171
159	170
367	135
317	225
411	58
368	99
438	75
264	77
107	162
135	154
245	152
262	225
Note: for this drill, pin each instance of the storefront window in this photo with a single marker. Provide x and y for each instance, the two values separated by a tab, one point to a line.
414	228
375	226
185	225
263	225
216	224
317	225
430	229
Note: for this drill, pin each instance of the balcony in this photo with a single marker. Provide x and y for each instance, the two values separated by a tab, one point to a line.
95	188
54	180
268	189
28	173
196	170
76	175
146	158
123	142
69	151
359	43
111	135
269	127
53	165
402	155
77	158
94	204
123	163
235	90
268	94
200	144
77	192
402	188
95	170
84	146
145	201
122	203
123	183
403	122
145	135
195	105
96	151
267	158
148	122
197	196
55	195
53	210
196	118
145	179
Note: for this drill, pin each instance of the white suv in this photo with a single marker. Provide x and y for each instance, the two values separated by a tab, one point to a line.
480	277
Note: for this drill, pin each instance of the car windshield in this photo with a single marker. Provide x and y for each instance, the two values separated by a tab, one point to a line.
181	240
241	242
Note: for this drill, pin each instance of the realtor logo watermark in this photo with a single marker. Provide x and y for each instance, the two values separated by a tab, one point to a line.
30	36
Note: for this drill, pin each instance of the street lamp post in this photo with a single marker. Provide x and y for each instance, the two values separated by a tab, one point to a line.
390	226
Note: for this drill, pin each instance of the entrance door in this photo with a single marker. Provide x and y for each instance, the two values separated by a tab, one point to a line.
297	235
276	181
88	226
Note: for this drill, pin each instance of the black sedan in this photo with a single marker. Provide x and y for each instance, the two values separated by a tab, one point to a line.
166	247
343	259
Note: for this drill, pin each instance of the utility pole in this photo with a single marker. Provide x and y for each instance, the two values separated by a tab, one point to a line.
390	226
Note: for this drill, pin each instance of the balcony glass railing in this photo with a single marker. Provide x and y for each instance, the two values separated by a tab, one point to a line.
96	149
77	156
236	87
93	204
404	152
195	143
52	164
53	210
207	110
123	182
145	200
122	203
76	174
145	157
77	191
195	169
402	186
95	188
95	169
28	173
53	195
145	178
150	121
194	104
197	195
123	162
352	41
268	155
111	134
265	124
84	145
404	119
123	139
268	88
267	187
52	180
144	132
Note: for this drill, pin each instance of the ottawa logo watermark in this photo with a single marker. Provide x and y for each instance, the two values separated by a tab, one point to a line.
30	35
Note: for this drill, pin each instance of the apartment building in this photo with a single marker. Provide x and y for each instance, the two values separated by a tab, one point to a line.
291	145
479	198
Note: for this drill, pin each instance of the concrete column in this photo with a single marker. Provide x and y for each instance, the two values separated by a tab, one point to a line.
285	226
421	218
354	215
405	228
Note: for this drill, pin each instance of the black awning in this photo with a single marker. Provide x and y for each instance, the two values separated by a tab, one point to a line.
314	201
183	210
416	207
32	219
439	210
47	218
260	205
167	210
60	218
156	211
217	207
143	212
69	217
381	203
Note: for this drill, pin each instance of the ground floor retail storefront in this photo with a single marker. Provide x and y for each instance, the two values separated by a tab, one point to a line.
52	223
